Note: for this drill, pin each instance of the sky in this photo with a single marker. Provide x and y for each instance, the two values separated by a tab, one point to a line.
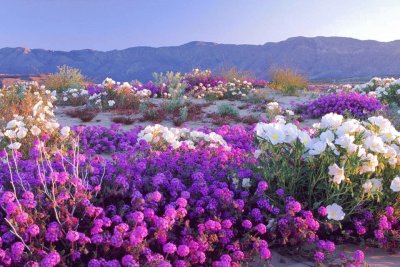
117	24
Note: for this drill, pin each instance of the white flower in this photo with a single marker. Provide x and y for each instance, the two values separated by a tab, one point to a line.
335	212
22	132
327	136
372	185
10	134
305	138
331	120
337	173
65	98
35	130
346	142
273	132
289	112
291	131
370	163
65	131
317	148
257	153
246	182
148	137
375	144
111	103
395	184
14	145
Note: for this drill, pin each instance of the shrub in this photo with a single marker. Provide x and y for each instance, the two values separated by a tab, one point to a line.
287	81
66	77
353	104
228	110
123	120
84	114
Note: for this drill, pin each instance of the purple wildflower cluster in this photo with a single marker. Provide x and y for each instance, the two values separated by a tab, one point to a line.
355	104
175	207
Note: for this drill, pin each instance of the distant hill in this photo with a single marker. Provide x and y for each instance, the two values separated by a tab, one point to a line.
320	58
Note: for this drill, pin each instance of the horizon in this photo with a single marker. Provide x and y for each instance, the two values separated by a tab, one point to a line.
198	41
120	24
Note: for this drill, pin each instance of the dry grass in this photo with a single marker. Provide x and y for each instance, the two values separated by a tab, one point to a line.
233	73
66	77
287	81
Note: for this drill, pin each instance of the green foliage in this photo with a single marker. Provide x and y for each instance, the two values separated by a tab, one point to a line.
228	110
174	82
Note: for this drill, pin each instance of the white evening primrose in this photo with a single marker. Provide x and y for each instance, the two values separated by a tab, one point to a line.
331	120
35	130
395	184
65	131
15	145
337	173
335	212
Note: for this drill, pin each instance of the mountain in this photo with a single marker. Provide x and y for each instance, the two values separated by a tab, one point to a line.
319	58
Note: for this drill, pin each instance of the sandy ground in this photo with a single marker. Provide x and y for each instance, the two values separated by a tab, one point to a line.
257	110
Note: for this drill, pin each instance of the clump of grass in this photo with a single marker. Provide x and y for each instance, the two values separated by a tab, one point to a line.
66	77
123	120
233	74
227	110
287	81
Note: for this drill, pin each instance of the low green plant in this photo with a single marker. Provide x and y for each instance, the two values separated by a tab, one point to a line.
228	110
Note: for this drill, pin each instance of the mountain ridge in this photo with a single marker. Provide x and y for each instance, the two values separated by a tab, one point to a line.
319	58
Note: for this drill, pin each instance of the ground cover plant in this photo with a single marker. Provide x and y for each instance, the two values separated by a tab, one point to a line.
351	104
224	196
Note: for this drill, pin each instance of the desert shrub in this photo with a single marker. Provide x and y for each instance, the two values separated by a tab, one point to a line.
257	96
85	114
352	104
228	110
287	81
66	77
123	120
173	82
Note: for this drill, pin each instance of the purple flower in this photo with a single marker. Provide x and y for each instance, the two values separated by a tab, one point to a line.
183	250
72	236
51	259
247	224
358	256
319	256
261	228
169	248
322	211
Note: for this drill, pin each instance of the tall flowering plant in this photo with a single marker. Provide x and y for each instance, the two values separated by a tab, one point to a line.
346	163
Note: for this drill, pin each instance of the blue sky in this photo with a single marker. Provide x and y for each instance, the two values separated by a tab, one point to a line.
118	24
